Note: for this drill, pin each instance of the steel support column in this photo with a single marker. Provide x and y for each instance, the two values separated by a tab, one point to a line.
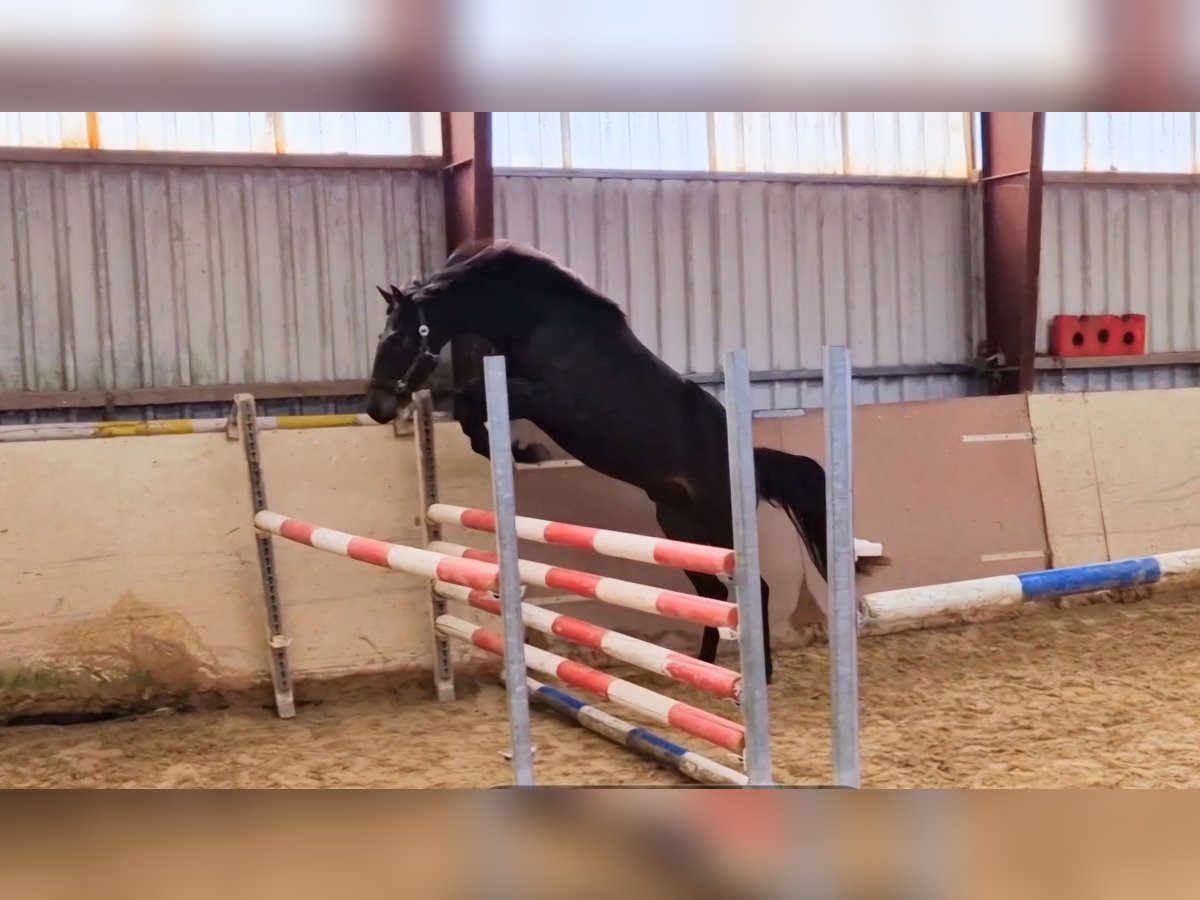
1012	235
747	586
467	154
504	502
842	602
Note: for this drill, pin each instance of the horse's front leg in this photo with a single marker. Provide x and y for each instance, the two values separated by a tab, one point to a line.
470	410
526	400
472	419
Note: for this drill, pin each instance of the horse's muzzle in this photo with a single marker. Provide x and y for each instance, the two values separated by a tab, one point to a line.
382	406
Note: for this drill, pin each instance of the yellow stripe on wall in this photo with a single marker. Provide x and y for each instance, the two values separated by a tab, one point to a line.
140	429
332	420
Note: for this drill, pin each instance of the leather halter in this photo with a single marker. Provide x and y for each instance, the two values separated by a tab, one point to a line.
419	369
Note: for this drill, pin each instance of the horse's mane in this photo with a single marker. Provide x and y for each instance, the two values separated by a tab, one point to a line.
503	257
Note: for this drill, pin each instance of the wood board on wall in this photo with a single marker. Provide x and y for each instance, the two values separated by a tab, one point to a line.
1120	472
948	487
123	557
152	566
1067	474
344	615
130	563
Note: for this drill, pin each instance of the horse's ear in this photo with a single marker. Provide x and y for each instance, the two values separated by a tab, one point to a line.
387	298
397	294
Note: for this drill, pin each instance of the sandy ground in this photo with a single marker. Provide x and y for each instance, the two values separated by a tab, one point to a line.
1100	696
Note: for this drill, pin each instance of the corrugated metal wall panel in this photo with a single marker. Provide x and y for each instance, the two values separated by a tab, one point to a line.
1118	379
158	276
1122	142
787	394
930	144
1123	248
702	266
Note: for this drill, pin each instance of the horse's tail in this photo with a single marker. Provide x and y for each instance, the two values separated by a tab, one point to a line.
796	484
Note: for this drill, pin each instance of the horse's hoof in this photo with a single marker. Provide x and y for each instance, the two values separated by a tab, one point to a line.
532	453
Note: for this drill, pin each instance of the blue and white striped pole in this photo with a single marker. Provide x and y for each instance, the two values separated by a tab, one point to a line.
640	740
912	605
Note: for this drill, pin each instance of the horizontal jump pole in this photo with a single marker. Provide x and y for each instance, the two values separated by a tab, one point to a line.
982	594
632	737
642	597
867	549
722	682
687	718
69	431
637	547
411	560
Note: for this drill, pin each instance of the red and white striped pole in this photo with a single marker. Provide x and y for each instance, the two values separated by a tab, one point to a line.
637	547
687	718
724	683
642	597
412	560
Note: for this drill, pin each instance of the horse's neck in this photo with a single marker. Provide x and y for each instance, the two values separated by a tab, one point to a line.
511	323
500	326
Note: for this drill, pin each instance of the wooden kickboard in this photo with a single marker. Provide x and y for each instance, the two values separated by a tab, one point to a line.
948	487
1119	472
1147	452
1067	475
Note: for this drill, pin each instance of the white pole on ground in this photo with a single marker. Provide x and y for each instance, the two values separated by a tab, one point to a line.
746	584
504	501
842	611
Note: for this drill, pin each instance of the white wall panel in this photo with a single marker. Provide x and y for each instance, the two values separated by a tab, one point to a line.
43	129
911	144
1118	378
1121	142
361	133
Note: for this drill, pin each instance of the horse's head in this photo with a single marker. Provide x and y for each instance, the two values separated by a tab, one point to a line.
489	289
420	322
407	352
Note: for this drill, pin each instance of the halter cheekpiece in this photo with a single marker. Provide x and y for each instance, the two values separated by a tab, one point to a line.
420	368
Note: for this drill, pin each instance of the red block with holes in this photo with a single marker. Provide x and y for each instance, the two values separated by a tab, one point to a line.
1106	335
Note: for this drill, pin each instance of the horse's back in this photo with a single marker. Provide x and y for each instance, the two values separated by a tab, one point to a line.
618	404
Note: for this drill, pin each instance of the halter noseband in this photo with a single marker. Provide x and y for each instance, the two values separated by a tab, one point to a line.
420	368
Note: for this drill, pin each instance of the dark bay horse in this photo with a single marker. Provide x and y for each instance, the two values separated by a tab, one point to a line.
577	372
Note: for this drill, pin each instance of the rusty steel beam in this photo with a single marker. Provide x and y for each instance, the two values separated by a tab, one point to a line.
467	156
1012	236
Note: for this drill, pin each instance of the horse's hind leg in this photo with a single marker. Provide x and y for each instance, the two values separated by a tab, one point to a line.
680	525
711	586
